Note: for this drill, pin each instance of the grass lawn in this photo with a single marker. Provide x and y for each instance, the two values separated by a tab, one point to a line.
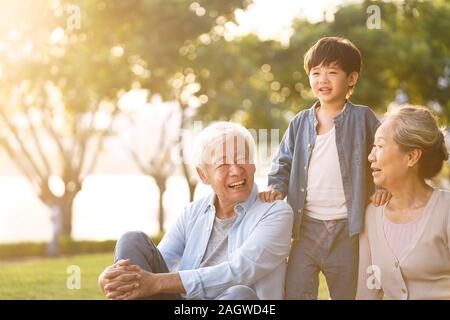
47	278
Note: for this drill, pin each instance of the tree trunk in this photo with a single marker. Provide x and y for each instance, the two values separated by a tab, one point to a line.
61	215
162	188
67	214
191	183
53	248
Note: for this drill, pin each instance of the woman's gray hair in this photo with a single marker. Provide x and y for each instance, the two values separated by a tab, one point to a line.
415	127
215	135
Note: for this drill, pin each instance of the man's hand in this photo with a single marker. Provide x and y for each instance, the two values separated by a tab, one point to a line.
119	279
148	286
271	195
380	197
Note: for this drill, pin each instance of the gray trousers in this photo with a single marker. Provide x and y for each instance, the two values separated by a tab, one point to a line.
323	246
141	251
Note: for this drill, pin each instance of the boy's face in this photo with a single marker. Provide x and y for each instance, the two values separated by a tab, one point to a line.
330	84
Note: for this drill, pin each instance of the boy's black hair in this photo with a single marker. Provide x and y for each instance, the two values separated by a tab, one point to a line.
334	49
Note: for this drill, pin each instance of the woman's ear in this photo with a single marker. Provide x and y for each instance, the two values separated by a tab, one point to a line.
202	175
414	157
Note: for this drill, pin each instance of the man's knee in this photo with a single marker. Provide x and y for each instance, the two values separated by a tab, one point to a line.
133	240
239	292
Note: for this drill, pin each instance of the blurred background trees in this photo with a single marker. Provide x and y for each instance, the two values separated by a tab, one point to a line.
62	80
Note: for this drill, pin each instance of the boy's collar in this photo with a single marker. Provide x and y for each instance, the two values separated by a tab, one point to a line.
347	106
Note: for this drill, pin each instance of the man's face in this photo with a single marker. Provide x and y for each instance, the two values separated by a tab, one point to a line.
230	172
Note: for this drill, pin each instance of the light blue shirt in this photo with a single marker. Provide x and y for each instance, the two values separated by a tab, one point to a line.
258	245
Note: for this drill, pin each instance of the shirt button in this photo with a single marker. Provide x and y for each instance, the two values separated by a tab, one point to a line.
396	264
403	290
302	190
309	145
305	168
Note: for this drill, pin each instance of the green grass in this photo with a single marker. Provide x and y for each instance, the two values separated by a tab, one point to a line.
47	278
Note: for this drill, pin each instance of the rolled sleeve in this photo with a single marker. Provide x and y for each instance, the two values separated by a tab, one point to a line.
192	284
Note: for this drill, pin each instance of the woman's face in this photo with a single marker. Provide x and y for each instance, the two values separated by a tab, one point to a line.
388	163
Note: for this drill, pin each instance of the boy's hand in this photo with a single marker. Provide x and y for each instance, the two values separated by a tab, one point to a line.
271	195
380	197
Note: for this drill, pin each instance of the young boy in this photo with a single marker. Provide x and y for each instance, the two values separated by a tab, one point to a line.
322	167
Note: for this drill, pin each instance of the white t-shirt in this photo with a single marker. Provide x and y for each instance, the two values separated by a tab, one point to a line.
325	199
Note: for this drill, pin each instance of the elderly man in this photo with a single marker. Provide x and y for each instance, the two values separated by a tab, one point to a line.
228	245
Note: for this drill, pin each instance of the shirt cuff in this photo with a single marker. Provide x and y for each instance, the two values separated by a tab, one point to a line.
191	283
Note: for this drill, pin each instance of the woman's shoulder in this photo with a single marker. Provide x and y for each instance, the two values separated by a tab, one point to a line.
443	194
372	214
372	210
443	199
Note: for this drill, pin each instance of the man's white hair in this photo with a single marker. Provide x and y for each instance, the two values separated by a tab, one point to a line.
212	138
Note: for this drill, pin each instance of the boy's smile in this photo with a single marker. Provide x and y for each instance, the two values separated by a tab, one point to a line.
330	84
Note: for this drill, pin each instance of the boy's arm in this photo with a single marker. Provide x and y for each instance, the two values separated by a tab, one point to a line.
278	177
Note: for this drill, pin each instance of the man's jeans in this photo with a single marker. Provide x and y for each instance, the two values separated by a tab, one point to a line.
323	246
141	251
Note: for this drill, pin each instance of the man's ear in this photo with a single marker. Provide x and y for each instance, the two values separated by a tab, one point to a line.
414	157
202	175
352	78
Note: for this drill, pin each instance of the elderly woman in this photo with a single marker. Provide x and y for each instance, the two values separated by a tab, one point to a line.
405	250
228	245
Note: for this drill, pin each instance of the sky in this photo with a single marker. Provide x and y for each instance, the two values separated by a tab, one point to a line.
271	19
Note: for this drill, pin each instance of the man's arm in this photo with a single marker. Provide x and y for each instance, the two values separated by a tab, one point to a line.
152	284
173	243
262	252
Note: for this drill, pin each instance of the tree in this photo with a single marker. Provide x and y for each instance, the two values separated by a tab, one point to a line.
58	102
63	79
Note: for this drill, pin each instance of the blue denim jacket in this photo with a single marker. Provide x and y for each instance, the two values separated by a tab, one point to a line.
258	245
355	129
